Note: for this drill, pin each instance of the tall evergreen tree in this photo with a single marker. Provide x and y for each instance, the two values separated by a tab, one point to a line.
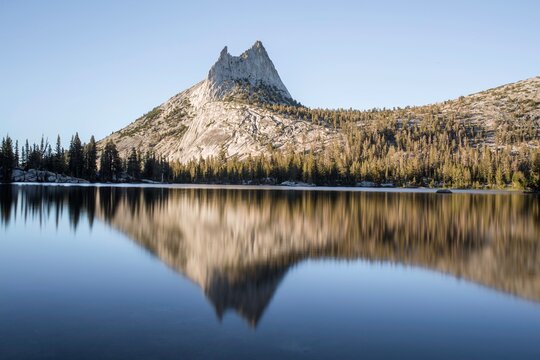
76	157
26	154
110	163
48	159
134	164
16	153
7	159
149	165
34	158
90	160
59	159
23	157
42	145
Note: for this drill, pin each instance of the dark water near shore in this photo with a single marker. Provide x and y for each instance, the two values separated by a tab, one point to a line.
175	273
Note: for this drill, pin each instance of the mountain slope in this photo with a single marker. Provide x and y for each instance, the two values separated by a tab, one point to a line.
220	113
511	105
243	108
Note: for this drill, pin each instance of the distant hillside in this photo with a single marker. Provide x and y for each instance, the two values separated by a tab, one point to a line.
513	109
508	114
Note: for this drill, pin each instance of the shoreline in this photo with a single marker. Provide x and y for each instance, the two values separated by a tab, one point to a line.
419	190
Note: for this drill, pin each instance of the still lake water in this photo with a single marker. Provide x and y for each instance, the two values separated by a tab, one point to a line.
183	273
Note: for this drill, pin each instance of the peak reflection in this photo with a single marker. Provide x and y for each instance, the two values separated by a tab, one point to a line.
237	245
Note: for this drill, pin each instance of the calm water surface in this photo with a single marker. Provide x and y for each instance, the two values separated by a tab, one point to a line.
176	273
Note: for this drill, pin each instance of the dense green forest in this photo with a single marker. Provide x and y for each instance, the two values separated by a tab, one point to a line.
380	146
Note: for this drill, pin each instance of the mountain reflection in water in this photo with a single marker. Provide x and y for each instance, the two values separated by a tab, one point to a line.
237	245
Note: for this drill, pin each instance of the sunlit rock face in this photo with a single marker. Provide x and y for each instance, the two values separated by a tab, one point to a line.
223	112
253	67
238	245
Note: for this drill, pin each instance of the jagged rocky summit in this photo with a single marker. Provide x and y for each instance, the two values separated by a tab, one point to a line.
253	68
224	113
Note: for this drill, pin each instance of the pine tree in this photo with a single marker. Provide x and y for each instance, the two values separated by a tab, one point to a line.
7	159
149	166
26	154
90	160
76	157
133	164
110	163
59	160
16	154
23	157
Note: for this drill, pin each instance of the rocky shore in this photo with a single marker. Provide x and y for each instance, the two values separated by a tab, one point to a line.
33	175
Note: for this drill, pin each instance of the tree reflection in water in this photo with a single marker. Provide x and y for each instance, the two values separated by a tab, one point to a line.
238	244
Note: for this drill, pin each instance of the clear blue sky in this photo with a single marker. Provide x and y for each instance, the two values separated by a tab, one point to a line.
94	66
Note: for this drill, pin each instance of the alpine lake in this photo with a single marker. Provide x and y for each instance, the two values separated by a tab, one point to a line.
210	272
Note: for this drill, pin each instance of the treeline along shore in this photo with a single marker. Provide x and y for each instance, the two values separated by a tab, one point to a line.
443	163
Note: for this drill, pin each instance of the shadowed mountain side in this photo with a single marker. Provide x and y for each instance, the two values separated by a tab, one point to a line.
237	245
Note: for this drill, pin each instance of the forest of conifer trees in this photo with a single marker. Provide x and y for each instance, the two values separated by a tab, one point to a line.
81	160
436	151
